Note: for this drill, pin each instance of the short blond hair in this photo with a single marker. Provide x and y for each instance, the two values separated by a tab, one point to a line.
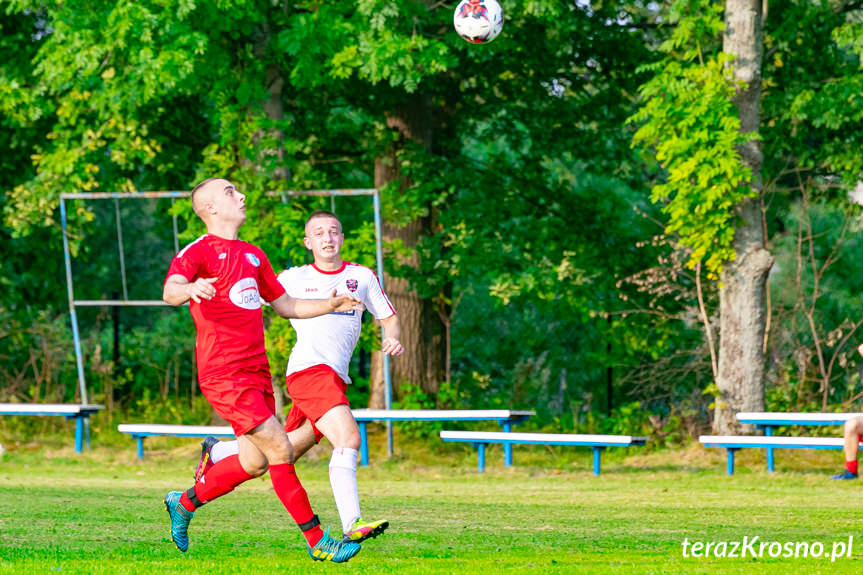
322	214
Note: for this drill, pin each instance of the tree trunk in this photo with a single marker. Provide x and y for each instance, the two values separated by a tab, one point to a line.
742	306
421	331
270	162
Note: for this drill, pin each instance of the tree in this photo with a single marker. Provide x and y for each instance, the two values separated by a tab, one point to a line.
742	303
702	112
422	330
693	115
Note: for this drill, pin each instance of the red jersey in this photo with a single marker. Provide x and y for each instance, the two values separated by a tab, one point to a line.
230	327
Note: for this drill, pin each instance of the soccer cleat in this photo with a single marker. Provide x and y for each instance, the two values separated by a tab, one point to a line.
360	531
206	461
180	518
845	475
328	549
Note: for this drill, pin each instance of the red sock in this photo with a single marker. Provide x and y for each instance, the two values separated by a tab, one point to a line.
295	499
851	466
222	478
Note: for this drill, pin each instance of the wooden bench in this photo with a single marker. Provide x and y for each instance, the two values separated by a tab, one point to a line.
505	417
141	430
598	443
78	412
734	442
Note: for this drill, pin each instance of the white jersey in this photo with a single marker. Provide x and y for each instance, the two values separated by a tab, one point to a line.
330	339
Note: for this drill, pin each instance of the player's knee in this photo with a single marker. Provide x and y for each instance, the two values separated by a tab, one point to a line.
286	452
257	469
350	439
354	441
254	466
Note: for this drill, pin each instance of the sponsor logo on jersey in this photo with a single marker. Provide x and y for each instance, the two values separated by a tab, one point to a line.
253	260
352	312
245	294
222	256
309	290
352	284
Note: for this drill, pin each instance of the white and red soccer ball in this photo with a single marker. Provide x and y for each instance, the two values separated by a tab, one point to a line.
478	21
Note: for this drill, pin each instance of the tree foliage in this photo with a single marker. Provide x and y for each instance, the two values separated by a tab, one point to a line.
540	258
687	114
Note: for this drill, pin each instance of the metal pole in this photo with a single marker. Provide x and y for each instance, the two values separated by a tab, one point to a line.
174	218
388	390
79	360
120	248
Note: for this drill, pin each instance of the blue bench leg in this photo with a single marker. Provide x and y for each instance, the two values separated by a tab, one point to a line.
140	440
507	447
731	451
79	433
364	443
597	453
768	431
480	456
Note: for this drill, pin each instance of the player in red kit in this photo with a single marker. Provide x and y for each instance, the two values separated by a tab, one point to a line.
224	280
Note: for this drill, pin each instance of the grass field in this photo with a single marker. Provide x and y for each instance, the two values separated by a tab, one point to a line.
101	512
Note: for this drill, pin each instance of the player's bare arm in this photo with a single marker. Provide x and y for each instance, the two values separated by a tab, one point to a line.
391	345
178	290
289	307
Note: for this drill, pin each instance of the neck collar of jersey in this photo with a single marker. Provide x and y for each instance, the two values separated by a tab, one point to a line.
331	273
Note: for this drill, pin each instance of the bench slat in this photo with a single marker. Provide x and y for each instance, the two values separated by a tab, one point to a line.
147	429
438	414
742	441
780	418
47	408
542	438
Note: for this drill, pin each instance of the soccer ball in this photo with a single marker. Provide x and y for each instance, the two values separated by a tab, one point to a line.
478	21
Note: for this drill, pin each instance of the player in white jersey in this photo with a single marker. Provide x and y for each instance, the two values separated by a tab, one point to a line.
317	374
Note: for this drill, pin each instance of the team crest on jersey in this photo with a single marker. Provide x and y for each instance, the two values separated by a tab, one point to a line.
352	284
253	260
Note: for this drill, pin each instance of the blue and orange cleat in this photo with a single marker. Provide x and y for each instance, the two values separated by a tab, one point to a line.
845	475
328	549
180	518
360	531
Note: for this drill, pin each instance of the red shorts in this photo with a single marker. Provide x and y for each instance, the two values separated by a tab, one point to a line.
244	399
314	391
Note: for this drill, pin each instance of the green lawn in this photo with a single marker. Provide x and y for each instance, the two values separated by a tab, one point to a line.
101	512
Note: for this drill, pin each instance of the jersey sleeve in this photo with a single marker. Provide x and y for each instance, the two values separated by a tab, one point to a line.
187	262
268	284
376	301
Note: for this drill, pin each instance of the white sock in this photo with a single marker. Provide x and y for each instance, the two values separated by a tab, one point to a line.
343	479
224	449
